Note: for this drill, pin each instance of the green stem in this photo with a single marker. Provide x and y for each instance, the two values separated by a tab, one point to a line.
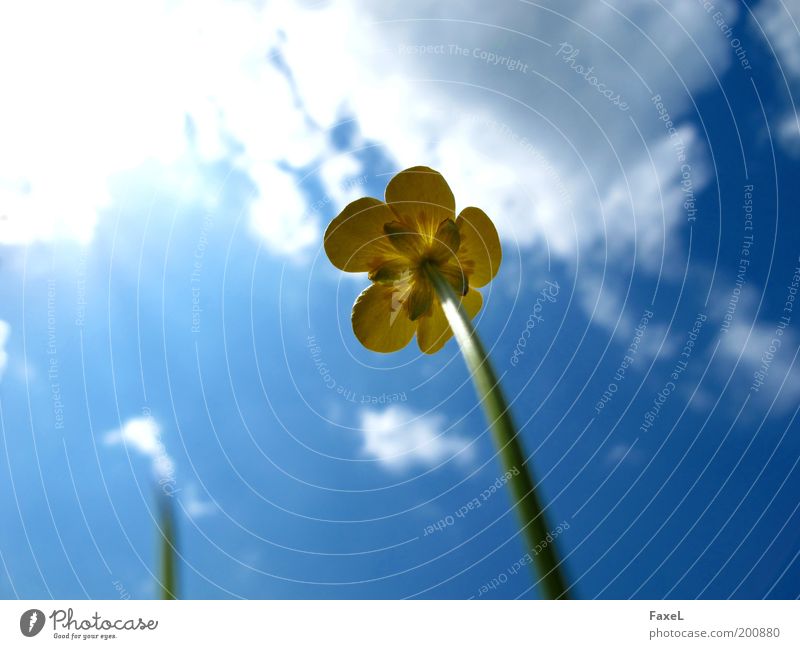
168	583
523	492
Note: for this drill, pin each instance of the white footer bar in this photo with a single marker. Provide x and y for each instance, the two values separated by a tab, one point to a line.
406	624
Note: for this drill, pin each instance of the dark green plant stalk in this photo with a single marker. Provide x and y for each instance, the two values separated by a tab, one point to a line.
168	584
523	492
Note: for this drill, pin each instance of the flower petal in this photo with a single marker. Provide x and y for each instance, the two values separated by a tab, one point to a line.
421	197
480	253
434	330
420	298
454	274
472	303
355	241
391	271
380	319
405	239
447	242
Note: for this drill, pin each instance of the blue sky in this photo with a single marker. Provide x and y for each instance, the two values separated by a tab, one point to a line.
170	322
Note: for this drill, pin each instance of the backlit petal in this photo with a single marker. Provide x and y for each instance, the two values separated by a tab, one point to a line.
420	298
434	331
380	319
421	197
472	303
405	239
391	271
480	253
355	241
455	276
447	242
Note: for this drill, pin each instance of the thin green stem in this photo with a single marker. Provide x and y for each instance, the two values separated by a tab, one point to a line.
168	584
538	536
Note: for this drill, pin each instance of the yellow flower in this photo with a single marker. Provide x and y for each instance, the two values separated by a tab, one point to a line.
394	241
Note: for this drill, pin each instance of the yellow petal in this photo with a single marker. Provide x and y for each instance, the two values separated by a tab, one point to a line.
447	242
355	241
391	271
380	319
454	274
472	303
434	331
405	239
420	299
480	253
421	197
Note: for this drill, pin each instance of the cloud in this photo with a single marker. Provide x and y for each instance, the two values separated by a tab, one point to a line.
399	438
91	102
779	22
655	196
143	435
278	215
526	146
263	85
758	347
5	332
788	133
194	504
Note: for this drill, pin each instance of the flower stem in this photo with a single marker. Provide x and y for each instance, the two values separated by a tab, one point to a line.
523	492
168	585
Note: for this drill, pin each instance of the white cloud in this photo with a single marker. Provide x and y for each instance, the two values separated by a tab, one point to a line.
622	452
750	344
194	504
279	214
340	176
481	125
5	332
143	435
780	23
787	132
399	437
262	85
650	199
99	90
780	20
